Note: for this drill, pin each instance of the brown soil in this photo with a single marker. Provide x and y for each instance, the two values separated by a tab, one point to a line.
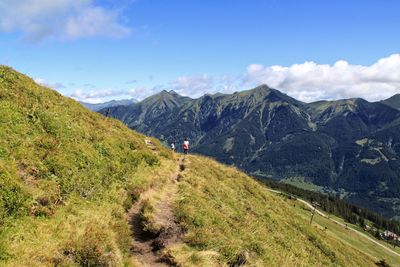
146	246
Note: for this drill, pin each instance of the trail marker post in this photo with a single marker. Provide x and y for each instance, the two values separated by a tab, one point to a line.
315	205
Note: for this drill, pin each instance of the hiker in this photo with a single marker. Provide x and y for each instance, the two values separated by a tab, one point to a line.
185	146
173	147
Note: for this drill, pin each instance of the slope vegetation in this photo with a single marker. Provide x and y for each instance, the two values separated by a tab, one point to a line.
67	177
78	189
229	217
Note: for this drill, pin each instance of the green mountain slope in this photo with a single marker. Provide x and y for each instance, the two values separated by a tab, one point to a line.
78	189
271	135
140	115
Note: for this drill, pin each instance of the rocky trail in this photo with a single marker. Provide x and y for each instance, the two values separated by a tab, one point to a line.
147	246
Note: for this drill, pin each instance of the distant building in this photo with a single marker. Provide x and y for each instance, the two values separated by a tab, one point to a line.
390	235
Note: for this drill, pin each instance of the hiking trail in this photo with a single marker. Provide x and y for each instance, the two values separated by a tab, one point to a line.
147	247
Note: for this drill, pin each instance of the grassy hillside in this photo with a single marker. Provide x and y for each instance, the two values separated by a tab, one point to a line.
350	237
73	183
225	211
64	173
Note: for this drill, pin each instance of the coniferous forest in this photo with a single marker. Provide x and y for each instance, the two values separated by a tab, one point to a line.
333	205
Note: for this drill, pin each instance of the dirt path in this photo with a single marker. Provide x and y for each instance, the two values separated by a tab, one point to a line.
146	247
341	224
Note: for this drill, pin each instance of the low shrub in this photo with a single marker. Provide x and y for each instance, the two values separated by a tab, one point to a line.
382	263
122	231
13	200
4	255
166	154
149	158
46	203
94	248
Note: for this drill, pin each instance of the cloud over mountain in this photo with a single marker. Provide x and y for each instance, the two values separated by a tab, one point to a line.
310	81
43	19
102	95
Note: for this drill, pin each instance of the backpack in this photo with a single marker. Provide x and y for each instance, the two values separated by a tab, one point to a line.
186	145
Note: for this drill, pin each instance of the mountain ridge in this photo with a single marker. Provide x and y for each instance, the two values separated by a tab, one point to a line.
393	101
271	135
111	103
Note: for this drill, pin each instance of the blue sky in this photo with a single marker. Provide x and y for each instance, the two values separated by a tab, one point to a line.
100	50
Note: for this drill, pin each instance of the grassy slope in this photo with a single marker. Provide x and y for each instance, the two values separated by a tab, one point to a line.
64	174
351	238
227	212
69	175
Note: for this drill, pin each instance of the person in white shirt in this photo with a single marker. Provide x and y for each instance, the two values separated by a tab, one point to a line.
173	147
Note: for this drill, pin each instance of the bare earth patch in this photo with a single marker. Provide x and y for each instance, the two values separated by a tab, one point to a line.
147	246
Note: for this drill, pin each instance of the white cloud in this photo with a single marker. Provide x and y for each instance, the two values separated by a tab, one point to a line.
99	96
307	81
310	81
56	85
193	85
198	85
93	95
65	19
141	92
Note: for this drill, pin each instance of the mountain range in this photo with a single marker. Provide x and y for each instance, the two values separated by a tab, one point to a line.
349	148
108	104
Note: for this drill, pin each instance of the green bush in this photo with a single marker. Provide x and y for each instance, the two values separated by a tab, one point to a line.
382	263
149	158
166	154
12	199
94	248
46	203
122	231
4	255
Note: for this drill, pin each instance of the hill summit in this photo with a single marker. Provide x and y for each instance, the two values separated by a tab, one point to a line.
79	189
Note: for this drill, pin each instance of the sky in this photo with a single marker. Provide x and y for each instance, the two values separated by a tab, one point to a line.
95	51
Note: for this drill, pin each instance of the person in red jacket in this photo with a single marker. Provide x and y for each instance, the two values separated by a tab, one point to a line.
185	146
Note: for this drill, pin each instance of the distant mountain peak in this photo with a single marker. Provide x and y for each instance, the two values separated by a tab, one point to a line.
109	104
168	100
262	87
172	92
164	94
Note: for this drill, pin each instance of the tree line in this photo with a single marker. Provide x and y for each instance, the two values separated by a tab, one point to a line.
333	205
